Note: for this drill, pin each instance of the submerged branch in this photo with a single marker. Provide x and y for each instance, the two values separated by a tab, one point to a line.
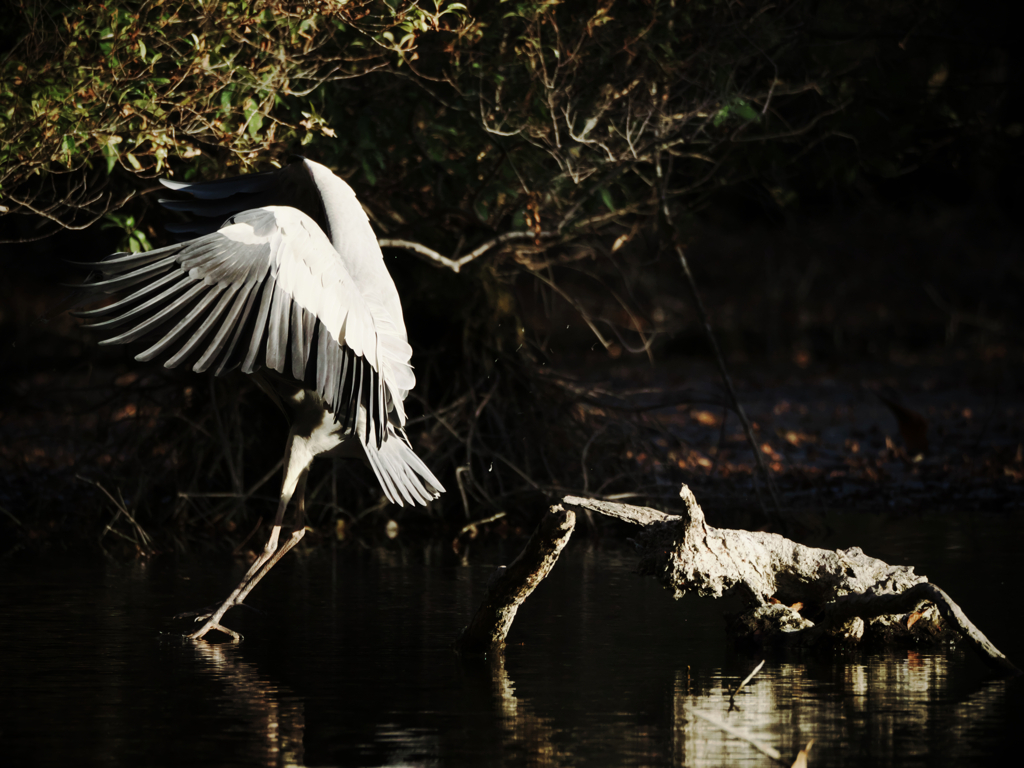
510	586
909	602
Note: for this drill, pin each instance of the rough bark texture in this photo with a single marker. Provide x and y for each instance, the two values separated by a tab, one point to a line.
687	555
849	594
510	586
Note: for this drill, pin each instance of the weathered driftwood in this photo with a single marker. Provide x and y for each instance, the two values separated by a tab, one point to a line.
510	586
687	555
772	574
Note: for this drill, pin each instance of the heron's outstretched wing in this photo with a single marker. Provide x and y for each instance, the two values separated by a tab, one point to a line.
267	288
330	202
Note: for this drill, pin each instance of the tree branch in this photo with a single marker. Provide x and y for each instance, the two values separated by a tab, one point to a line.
510	586
456	265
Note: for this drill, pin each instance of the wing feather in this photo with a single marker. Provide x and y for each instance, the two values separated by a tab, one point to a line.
135	309
303	324
213	202
227	293
241	324
267	288
328	363
153	322
125	281
277	329
220	339
401	473
190	318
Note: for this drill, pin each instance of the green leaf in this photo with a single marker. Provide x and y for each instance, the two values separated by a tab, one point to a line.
368	171
110	155
138	241
736	108
747	112
253	118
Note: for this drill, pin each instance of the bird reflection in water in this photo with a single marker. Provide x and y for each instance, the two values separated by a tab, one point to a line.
274	719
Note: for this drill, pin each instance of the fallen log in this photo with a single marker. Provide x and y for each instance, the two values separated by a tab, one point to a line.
848	594
510	586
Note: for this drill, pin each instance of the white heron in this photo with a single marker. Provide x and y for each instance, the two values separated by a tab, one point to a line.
285	280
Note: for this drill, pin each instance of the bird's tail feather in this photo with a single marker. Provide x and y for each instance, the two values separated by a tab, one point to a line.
401	473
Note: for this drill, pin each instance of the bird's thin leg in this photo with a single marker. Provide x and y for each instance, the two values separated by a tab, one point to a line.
296	467
236	597
247	587
253	577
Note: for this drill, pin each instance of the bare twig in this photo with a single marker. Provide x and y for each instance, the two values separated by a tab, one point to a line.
245	541
456	265
142	541
774	514
801	756
746	680
232	494
459	472
470	527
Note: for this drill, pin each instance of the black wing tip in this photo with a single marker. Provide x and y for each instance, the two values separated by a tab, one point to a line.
94	264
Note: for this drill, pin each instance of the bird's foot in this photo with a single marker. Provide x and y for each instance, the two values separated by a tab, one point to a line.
257	571
212	624
211	621
204	613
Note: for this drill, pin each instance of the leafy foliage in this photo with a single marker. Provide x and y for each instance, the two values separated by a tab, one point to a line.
91	88
522	114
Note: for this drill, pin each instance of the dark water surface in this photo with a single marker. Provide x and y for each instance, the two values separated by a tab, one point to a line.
350	665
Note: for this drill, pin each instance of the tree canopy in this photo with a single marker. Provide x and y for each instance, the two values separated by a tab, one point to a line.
532	115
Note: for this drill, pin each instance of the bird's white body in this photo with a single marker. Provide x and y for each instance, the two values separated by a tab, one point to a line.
286	275
270	288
